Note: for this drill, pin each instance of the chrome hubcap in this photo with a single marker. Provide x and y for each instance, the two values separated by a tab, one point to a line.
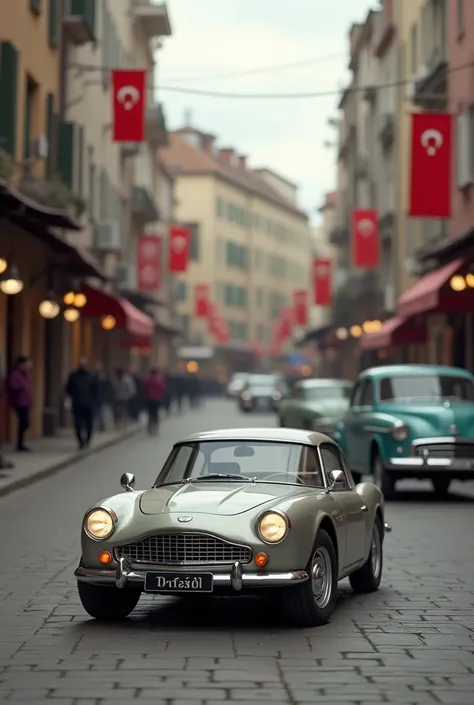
376	552
321	577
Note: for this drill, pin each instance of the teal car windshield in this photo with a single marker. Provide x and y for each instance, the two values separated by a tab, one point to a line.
327	393
242	461
426	388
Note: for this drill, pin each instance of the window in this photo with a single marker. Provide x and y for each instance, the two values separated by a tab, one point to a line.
53	23
331	462
368	394
460	17
357	394
465	148
194	249
50	133
35	6
220	207
414	49
182	291
333	392
427	388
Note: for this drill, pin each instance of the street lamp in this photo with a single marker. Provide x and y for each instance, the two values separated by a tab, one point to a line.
3	265
71	314
49	308
108	322
11	283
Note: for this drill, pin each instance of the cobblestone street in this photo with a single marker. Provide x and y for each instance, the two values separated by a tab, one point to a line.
411	643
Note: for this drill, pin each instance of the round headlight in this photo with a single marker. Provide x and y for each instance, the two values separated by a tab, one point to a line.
400	432
273	527
99	524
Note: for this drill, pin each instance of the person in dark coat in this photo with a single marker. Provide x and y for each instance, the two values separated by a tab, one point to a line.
83	391
20	397
155	390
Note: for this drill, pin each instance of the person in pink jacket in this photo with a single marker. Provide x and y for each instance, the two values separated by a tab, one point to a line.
20	397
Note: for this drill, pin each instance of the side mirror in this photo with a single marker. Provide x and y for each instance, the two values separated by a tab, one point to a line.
338	479
128	481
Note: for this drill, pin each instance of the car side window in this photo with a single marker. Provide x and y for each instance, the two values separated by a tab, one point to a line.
332	461
311	472
297	393
368	393
356	399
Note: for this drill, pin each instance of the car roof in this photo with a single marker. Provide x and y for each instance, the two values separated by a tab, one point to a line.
415	370
317	382
277	435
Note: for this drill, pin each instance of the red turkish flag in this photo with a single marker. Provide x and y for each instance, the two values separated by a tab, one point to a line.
365	238
179	239
128	107
149	263
430	173
286	322
201	300
300	304
322	282
222	331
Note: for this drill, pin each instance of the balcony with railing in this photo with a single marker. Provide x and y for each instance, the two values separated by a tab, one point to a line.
154	19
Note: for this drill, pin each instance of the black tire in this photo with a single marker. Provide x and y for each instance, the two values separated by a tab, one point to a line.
441	485
383	479
368	577
107	604
299	602
357	476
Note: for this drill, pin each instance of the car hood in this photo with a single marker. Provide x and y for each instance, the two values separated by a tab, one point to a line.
224	498
435	419
334	409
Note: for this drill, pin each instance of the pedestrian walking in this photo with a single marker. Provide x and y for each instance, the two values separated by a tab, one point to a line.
82	388
20	397
155	391
168	398
124	390
103	397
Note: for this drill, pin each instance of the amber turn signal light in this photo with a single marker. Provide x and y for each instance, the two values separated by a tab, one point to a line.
105	557
261	559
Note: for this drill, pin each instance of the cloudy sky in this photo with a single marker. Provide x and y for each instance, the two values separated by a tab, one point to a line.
222	45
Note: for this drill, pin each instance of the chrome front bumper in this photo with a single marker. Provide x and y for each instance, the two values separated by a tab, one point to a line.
236	579
431	464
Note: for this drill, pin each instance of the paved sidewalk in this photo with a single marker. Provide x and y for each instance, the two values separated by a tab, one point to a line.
49	455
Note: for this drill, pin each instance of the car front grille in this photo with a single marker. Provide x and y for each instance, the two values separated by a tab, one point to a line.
184	549
446	450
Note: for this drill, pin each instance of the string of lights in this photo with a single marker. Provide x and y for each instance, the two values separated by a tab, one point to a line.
278	96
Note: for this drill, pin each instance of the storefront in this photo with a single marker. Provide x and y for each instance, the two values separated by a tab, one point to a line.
398	341
36	266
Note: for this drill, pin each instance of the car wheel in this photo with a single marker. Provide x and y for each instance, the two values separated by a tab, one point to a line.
107	604
367	578
312	603
441	485
383	479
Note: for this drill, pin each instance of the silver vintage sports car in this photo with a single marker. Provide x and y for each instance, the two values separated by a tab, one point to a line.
237	511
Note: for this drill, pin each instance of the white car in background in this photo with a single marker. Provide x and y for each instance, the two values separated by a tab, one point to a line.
236	384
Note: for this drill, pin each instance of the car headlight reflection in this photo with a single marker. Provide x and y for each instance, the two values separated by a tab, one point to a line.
400	432
100	523
272	527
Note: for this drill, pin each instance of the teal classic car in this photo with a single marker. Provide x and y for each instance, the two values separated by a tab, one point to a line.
410	421
316	405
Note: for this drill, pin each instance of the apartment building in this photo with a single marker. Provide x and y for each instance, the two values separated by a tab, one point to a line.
122	184
250	240
322	248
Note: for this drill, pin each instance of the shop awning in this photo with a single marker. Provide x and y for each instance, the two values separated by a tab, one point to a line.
432	292
127	317
315	335
394	331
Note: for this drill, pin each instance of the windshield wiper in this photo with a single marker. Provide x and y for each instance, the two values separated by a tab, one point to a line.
221	476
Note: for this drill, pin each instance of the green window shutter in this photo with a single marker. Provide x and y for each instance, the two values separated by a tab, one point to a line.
86	9
194	244
53	23
8	97
66	153
50	135
80	161
28	105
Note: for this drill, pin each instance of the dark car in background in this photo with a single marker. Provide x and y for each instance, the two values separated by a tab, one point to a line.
261	392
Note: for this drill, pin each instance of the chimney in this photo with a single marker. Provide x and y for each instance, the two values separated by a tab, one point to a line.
242	162
226	156
208	143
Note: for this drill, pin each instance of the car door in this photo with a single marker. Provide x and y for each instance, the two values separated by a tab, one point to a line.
354	509
361	413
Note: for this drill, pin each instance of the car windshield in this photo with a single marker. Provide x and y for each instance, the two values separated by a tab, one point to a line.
426	388
242	461
327	393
